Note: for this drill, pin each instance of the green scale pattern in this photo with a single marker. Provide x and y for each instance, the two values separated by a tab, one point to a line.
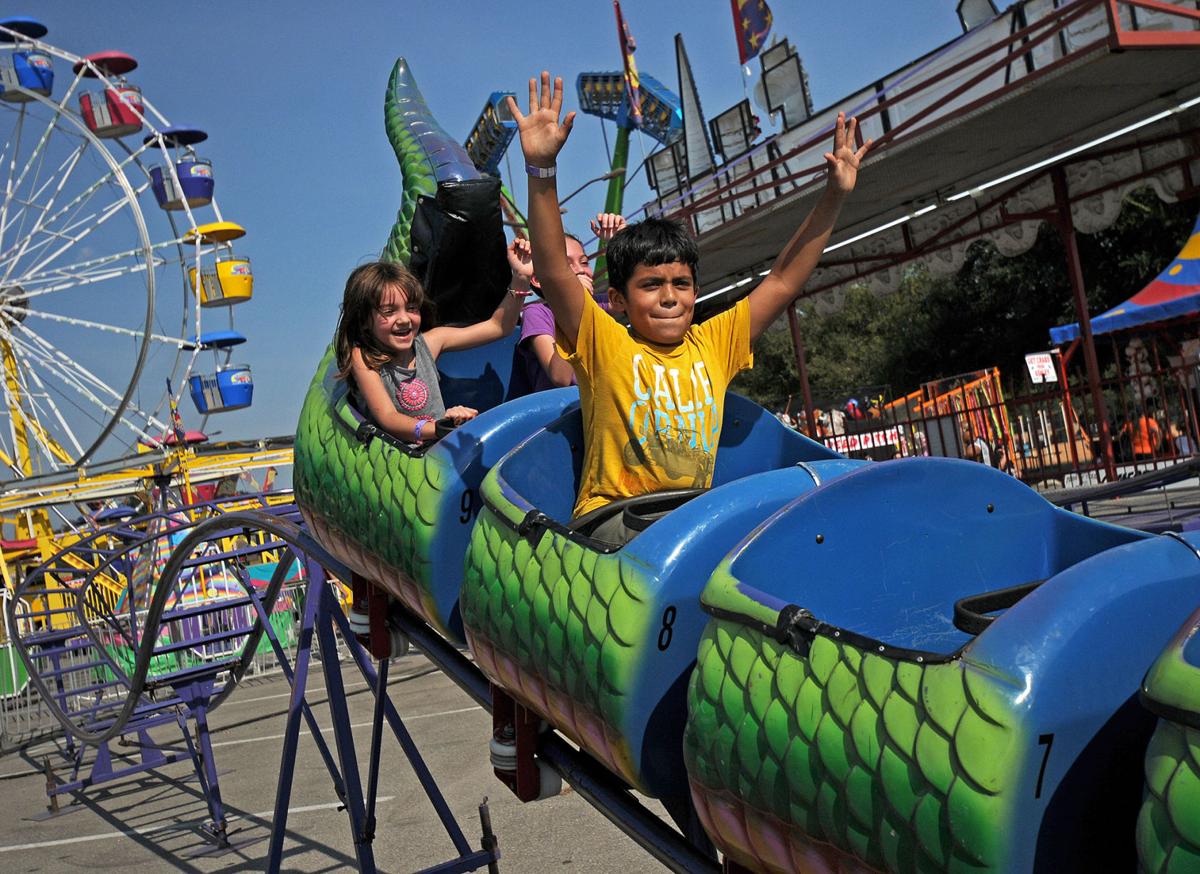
907	767
374	507
1168	829
561	627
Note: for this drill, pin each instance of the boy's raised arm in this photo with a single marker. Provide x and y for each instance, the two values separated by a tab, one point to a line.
795	263
542	137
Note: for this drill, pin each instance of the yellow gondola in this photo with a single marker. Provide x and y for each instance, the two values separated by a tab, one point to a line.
230	280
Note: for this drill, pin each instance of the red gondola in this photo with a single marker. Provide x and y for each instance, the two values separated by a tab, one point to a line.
117	112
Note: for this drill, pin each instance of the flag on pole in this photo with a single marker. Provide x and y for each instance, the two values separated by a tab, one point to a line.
628	47
176	419
751	24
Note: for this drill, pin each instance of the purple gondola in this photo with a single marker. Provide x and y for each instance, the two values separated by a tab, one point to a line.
192	182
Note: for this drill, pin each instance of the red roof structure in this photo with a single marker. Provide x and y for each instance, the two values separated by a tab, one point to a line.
965	136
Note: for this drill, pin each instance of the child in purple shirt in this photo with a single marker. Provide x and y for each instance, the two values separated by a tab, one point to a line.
537	366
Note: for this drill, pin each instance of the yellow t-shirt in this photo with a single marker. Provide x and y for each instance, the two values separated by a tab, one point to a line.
652	414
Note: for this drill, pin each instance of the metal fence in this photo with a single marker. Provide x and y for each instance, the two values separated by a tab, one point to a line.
25	718
1047	435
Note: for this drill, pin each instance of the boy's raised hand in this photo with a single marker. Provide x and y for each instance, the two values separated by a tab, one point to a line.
843	162
542	134
795	263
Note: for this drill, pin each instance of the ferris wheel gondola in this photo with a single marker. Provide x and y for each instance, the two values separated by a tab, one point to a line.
100	220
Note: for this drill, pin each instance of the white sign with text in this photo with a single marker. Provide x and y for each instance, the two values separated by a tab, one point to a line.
1041	367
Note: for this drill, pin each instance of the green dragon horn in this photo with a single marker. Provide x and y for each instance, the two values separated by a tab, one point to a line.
427	155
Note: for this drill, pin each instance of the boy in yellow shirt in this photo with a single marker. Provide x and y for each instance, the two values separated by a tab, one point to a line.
652	394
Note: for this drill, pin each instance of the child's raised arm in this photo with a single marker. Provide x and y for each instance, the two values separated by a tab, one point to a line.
795	263
542	137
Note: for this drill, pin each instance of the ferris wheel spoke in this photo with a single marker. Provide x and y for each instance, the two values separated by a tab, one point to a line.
21	312
45	394
27	432
68	274
66	279
82	267
58	109
7	145
82	380
20	216
36	154
43	350
63	173
18	133
104	181
90	272
75	204
99	221
51	448
77	226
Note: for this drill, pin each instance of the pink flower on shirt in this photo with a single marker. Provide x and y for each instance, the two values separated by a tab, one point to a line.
413	395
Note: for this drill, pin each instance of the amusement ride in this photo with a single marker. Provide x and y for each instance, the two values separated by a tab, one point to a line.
117	298
820	663
120	280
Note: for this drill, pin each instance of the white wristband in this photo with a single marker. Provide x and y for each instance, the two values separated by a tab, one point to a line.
541	172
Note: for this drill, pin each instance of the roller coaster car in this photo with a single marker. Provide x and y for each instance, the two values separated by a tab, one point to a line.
396	514
596	639
1168	829
840	716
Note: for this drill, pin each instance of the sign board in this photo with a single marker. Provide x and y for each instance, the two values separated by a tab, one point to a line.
847	443
1041	367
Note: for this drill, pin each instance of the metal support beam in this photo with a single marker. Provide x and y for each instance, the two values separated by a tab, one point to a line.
1066	229
802	369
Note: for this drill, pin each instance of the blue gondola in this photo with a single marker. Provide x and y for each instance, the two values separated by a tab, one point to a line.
226	339
26	72
230	388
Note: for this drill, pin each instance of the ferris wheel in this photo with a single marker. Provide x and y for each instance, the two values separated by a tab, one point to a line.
112	247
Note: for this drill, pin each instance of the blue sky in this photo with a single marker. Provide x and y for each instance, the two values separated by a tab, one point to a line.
292	97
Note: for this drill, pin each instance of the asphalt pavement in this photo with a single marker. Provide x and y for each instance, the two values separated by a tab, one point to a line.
151	822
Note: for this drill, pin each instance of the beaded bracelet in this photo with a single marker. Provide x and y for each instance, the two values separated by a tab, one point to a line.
421	422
